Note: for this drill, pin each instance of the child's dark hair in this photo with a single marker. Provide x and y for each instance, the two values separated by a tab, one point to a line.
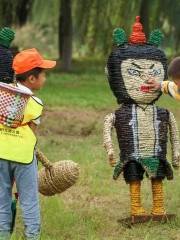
23	76
174	68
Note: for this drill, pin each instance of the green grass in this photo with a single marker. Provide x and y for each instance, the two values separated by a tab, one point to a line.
76	104
85	87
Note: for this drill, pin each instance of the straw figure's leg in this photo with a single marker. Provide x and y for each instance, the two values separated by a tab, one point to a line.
138	213
158	210
135	195
158	198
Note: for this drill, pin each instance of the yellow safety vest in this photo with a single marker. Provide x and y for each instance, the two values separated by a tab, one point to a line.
18	144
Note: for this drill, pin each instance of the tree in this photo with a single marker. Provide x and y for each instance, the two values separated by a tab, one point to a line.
144	14
23	8
65	34
6	13
14	12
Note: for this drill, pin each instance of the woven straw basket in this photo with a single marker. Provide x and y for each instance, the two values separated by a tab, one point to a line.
57	177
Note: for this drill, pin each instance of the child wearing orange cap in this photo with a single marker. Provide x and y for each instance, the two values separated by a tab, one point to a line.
169	87
17	158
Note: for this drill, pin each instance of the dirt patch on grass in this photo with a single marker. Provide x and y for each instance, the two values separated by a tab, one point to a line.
81	197
72	122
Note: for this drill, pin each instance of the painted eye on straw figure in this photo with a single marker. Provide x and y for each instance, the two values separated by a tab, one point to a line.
155	72
134	72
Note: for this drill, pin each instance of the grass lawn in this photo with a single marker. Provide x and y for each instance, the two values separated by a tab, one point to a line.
75	105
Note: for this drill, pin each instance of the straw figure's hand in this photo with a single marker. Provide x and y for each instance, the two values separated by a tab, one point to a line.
108	144
176	160
112	160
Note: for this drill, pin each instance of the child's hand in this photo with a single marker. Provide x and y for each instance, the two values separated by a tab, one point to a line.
112	160
153	85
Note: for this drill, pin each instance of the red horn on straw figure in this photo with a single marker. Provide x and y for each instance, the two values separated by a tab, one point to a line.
137	36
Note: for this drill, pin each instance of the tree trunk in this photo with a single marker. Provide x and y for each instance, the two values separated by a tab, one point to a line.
65	34
23	8
6	13
144	14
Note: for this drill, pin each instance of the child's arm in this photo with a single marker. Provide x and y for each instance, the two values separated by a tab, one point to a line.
167	87
108	125
170	88
174	136
33	126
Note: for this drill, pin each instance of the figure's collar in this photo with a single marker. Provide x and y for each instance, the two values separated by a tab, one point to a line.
144	106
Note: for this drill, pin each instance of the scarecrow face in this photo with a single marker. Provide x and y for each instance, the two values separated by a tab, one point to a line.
136	73
133	62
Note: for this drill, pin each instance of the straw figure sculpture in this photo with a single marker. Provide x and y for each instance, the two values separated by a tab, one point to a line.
141	127
55	178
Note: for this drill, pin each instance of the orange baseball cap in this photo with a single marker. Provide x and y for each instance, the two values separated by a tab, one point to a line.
28	59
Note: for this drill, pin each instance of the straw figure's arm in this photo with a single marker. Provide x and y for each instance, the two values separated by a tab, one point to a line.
174	136
109	121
